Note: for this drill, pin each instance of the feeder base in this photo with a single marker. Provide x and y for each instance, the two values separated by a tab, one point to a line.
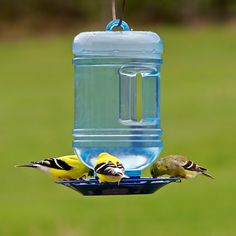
133	185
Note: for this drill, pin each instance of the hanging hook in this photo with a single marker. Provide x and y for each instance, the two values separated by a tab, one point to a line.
122	13
113	10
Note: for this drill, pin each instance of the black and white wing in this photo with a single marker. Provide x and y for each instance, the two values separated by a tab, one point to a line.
189	165
109	168
53	163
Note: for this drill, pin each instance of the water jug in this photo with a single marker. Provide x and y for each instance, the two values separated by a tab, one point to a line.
117	96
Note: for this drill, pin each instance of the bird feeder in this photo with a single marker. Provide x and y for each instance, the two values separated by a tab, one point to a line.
117	105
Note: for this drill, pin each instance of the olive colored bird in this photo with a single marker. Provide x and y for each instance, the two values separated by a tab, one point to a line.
177	166
62	168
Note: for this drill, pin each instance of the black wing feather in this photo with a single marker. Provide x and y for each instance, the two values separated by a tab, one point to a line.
54	163
189	165
107	168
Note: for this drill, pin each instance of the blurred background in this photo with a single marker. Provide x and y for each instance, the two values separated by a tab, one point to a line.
198	116
38	16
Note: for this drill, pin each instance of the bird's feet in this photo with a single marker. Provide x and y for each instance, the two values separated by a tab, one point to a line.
178	179
83	177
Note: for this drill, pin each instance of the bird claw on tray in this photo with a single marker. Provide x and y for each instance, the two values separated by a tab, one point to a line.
178	180
83	177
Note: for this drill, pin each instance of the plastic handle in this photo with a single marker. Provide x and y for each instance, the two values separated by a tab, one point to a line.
115	23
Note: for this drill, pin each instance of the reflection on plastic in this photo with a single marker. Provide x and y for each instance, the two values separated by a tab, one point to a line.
139	95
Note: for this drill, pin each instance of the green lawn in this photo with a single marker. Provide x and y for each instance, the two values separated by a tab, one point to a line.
198	112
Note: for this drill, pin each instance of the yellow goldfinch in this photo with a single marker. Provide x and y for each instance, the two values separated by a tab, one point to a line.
109	168
177	166
65	167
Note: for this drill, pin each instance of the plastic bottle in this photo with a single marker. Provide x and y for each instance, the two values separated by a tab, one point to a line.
117	96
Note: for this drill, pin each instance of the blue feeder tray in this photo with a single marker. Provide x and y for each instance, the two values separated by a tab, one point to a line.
134	185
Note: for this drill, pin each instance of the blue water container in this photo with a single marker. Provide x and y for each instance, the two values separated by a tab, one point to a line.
117	96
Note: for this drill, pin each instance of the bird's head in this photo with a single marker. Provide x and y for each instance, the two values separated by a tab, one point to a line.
157	169
153	173
154	170
103	155
91	173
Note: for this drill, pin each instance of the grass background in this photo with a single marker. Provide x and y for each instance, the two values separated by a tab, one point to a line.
198	114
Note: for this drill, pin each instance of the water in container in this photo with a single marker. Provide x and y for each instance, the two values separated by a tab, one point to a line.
117	96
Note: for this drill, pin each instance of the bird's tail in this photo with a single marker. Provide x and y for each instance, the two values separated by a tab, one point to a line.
208	175
203	171
122	175
31	165
125	176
